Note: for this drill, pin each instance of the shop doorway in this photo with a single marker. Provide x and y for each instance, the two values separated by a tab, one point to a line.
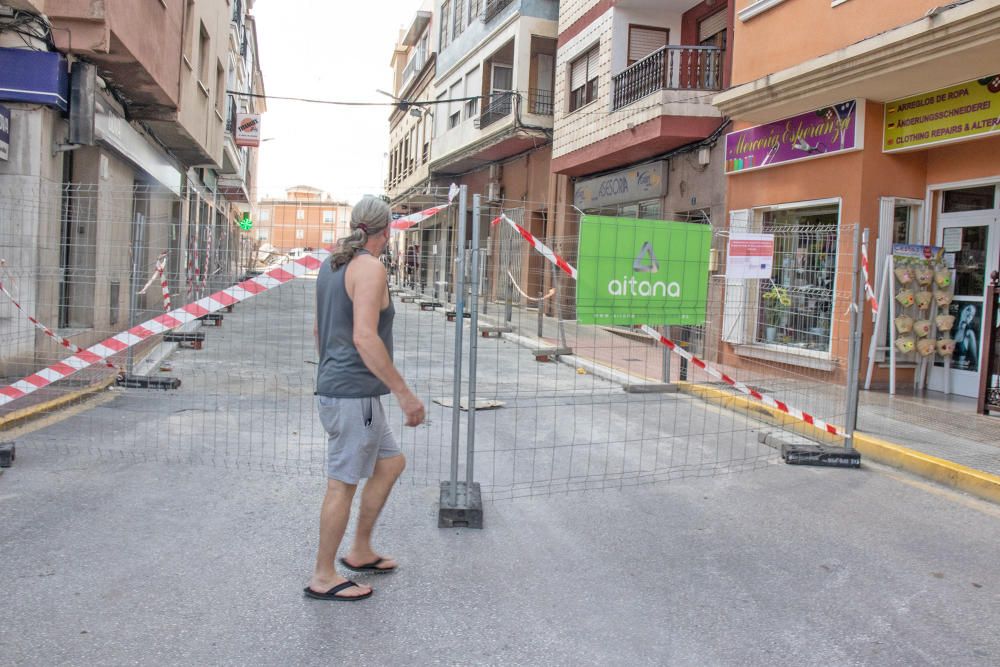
971	241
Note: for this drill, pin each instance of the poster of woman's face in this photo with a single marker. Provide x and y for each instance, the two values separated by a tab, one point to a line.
968	322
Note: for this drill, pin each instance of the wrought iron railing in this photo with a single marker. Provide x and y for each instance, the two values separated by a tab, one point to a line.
231	116
668	68
493	7
540	102
501	105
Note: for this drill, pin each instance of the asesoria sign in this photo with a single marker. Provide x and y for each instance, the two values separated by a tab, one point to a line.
642	271
819	133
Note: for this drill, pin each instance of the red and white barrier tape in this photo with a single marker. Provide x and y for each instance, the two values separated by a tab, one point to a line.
160	272
44	329
869	292
678	350
98	353
739	386
413	219
543	249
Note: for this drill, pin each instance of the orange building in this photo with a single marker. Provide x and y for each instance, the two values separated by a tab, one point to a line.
876	113
306	218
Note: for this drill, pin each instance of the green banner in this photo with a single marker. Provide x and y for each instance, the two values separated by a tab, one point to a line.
642	271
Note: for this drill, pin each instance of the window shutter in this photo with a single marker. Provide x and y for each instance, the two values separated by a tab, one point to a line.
578	74
592	63
712	25
643	41
734	316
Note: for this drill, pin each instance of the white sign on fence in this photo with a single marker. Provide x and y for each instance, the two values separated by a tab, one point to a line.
750	256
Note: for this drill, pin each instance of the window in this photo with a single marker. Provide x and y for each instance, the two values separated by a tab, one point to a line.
903	229
459	20
445	23
262	235
455	106
472	87
300	214
300	234
328	236
329	216
796	305
968	199
265	215
474	8
643	40
203	51
583	79
189	33
220	89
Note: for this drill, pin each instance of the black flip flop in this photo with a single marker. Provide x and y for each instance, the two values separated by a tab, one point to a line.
369	568
332	593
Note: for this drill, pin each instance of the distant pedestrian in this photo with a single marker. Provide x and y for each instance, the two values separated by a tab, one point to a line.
354	315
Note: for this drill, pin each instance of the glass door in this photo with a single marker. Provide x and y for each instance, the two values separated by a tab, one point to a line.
972	249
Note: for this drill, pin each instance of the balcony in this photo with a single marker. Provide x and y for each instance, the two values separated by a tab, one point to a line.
492	8
540	102
414	67
501	105
668	68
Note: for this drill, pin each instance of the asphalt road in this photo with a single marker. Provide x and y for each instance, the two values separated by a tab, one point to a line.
179	529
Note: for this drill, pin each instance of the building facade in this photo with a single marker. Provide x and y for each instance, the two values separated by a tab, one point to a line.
305	218
882	117
114	161
636	134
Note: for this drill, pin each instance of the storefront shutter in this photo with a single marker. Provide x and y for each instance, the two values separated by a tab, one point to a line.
712	25
643	41
734	313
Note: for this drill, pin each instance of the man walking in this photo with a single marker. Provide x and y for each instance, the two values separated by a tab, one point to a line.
354	338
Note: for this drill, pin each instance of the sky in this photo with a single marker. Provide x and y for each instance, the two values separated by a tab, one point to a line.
332	50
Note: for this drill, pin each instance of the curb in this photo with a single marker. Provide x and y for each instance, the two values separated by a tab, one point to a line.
955	475
18	417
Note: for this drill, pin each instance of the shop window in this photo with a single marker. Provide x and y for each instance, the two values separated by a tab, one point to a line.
969	199
796	305
903	225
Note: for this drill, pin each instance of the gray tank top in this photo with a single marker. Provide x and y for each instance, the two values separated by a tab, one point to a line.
341	372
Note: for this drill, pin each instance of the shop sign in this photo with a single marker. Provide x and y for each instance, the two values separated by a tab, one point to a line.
965	111
827	131
247	132
642	271
750	256
648	181
4	132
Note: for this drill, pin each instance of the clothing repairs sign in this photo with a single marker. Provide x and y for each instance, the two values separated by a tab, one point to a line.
4	132
750	256
642	271
965	111
819	133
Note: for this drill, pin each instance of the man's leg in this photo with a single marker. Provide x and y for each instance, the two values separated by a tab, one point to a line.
333	519
373	498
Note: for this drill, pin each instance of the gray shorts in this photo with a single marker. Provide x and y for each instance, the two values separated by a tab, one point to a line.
357	436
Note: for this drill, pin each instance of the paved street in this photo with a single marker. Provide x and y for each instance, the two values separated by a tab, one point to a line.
114	552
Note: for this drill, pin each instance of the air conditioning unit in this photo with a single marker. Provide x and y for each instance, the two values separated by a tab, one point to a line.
496	172
704	155
475	122
493	190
